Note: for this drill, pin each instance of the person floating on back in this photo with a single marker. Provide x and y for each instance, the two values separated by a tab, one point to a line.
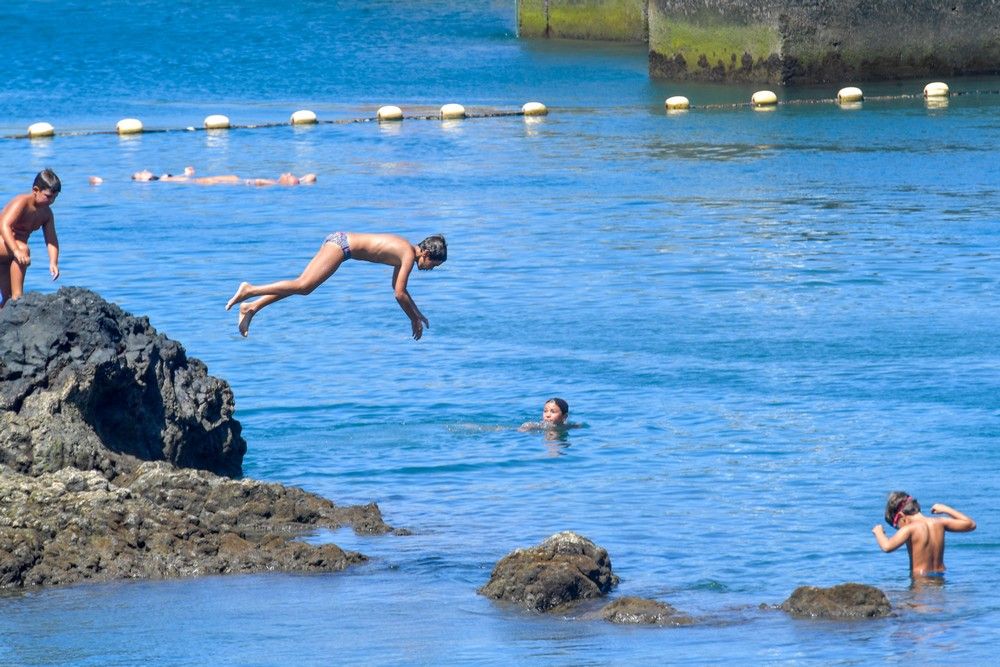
20	217
286	178
389	249
922	535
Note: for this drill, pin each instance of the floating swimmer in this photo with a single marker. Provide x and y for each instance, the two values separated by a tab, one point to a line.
20	217
389	249
555	414
922	535
286	178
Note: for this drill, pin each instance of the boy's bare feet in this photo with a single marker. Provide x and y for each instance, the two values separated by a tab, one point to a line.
246	314
239	296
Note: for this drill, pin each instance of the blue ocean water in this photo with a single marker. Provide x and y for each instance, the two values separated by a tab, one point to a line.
764	320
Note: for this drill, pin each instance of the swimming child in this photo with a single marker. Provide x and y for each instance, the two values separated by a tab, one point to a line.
389	249
555	412
20	217
922	535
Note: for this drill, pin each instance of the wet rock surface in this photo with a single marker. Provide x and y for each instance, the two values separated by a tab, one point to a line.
642	611
110	441
844	601
564	569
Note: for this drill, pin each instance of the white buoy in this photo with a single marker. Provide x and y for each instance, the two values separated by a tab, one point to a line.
677	103
217	122
452	111
389	112
534	109
129	126
303	117
41	129
936	89
764	98
850	94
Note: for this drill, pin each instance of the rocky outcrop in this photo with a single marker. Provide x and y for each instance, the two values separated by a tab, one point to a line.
110	438
72	525
86	385
642	611
844	601
564	569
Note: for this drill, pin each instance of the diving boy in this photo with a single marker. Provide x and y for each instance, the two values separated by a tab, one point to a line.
389	249
922	535
20	217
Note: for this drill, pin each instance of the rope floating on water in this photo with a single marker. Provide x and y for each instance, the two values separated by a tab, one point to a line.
219	122
933	94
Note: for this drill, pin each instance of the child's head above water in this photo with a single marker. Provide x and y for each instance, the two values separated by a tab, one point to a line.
555	411
898	505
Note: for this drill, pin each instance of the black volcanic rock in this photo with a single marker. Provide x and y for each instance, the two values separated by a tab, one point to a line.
843	601
110	441
82	381
563	569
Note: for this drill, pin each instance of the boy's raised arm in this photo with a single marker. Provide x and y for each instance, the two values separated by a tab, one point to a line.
891	543
956	521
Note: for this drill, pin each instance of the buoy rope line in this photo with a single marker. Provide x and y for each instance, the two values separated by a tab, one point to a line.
936	92
257	126
867	98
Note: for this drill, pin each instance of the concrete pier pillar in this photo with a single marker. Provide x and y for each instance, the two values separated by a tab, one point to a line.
608	20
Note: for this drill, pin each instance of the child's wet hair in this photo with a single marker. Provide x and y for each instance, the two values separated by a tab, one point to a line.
561	404
47	180
435	247
900	502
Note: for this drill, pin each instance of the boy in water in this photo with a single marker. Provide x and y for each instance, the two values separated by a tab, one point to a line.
922	535
20	217
389	249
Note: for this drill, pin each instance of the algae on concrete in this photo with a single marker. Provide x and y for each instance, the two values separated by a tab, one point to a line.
532	18
693	46
608	20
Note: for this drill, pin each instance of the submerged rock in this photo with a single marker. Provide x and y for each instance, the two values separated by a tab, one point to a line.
843	601
563	569
110	438
86	385
642	611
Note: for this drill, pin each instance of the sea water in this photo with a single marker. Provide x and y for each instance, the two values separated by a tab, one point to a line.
765	321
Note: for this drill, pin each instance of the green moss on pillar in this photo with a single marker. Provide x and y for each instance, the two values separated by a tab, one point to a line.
531	19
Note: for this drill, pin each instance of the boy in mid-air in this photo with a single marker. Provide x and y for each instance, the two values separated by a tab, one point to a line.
20	217
922	535
389	249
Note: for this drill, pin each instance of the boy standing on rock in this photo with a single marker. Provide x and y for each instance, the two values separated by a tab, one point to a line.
20	217
922	535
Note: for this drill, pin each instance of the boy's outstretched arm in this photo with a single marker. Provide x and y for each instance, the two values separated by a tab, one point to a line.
888	544
956	521
52	244
400	276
